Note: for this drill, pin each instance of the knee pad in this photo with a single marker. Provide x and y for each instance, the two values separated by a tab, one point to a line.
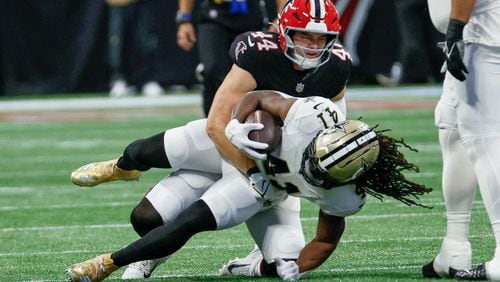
185	146
445	116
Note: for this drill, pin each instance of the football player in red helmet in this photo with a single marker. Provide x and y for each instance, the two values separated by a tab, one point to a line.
314	66
307	31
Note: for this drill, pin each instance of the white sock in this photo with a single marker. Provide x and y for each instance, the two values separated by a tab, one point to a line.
493	266
457	227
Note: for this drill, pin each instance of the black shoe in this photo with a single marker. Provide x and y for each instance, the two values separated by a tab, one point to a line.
428	271
478	273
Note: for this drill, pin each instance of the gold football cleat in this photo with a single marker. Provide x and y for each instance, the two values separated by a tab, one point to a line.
92	270
99	172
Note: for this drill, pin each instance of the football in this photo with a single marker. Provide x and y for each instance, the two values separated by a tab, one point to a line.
270	134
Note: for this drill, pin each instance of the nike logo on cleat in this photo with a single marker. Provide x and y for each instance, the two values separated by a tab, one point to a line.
233	266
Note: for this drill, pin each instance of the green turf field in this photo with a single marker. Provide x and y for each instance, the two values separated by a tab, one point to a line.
47	223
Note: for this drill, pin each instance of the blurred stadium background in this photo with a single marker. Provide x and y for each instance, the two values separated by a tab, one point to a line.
49	47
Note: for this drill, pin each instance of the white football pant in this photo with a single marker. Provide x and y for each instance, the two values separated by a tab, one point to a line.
458	184
478	118
276	230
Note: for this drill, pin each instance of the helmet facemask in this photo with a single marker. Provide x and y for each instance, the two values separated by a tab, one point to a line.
297	53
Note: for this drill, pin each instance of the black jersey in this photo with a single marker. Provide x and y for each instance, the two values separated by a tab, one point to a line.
259	53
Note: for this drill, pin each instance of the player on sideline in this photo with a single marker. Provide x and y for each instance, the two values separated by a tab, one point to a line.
322	157
301	60
455	250
472	50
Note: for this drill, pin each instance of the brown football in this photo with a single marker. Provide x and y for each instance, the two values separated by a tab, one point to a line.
270	134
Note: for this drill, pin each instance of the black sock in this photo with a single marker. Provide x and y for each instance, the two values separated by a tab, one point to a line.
144	154
167	239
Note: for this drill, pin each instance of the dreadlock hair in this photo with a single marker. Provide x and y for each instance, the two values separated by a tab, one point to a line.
385	177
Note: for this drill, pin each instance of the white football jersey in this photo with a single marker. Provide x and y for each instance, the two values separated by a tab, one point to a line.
305	119
484	25
439	11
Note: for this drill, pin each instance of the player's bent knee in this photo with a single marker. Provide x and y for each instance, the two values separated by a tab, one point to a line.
176	146
186	146
145	218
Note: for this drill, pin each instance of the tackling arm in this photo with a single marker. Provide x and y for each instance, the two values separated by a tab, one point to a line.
236	84
267	100
330	229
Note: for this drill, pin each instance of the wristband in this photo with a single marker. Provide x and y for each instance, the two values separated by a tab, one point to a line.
455	30
182	17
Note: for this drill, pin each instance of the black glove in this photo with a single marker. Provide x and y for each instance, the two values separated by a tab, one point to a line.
453	49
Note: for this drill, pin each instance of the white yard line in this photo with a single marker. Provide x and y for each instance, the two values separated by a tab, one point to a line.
238	246
304	219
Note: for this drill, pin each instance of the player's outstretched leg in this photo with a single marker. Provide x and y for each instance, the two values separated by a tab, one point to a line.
92	270
100	172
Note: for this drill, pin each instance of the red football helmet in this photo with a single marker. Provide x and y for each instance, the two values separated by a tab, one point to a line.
312	16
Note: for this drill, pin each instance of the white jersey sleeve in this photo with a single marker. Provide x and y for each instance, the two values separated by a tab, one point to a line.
484	25
305	119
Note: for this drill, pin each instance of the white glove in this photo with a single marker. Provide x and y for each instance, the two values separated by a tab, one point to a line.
265	189
287	270
237	133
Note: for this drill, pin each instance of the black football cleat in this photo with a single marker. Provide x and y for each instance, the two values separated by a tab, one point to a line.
478	273
428	270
